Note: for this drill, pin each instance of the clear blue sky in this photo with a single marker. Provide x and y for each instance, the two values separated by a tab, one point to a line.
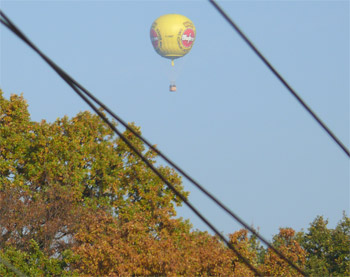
231	124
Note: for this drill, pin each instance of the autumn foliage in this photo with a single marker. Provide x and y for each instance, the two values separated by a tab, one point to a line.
75	201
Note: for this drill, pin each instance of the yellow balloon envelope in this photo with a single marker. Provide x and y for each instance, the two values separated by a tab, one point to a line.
172	35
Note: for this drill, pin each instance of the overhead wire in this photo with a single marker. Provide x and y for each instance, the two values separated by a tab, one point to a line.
279	76
76	88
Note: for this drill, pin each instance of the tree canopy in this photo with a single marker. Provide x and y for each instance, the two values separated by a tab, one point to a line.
74	200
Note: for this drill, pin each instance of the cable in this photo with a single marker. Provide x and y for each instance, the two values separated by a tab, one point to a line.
284	82
71	83
226	209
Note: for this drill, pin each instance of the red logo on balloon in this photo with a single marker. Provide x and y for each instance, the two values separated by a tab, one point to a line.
154	38
187	38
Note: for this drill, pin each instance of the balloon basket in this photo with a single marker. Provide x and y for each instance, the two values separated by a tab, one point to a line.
172	88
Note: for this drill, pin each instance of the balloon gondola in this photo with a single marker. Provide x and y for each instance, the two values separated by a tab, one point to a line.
172	88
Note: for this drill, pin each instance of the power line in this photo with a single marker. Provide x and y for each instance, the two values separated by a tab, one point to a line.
72	84
284	82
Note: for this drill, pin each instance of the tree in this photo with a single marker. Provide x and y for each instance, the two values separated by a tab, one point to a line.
74	200
249	248
53	174
286	242
111	248
32	262
328	249
71	185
